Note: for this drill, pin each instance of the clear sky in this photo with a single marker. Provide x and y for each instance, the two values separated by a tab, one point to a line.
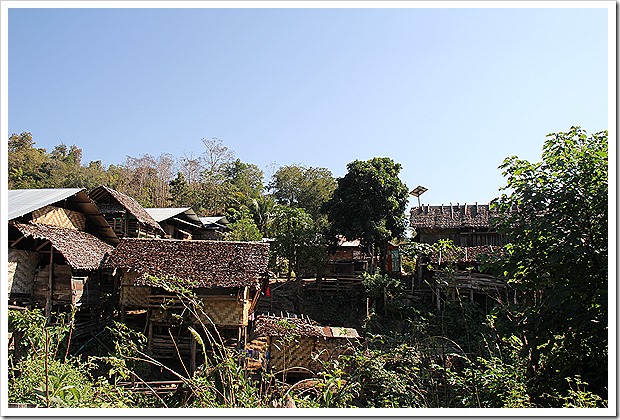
448	93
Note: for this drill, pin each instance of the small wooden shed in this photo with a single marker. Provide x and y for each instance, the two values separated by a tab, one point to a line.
297	345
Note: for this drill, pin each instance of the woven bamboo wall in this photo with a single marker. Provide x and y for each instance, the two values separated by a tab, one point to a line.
226	310
134	297
56	216
260	346
22	266
297	353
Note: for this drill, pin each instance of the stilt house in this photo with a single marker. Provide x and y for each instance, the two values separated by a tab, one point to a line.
226	278
125	215
470	228
57	242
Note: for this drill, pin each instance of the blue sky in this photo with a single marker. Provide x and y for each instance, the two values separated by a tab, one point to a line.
448	93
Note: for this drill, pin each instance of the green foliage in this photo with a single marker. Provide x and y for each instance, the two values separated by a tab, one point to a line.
555	222
294	236
243	229
369	204
64	384
303	187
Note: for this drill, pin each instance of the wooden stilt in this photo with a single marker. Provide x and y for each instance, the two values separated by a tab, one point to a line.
192	361
50	286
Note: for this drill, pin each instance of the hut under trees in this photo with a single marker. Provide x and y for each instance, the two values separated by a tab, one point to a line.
472	234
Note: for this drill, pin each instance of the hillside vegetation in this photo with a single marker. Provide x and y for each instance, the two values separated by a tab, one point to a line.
548	347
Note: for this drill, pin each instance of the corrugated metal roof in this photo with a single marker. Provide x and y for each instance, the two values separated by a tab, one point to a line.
344	332
21	202
214	220
161	214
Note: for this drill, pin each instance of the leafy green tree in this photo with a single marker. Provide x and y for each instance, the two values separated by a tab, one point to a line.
28	166
369	204
246	180
261	209
244	229
293	231
303	187
554	217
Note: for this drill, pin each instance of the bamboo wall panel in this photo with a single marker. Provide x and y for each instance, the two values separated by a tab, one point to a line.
136	297
294	354
56	216
22	267
226	311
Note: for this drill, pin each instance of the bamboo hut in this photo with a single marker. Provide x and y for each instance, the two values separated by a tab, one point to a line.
57	242
125	215
225	279
296	345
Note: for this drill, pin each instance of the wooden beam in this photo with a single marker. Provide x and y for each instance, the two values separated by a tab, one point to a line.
15	242
42	245
50	287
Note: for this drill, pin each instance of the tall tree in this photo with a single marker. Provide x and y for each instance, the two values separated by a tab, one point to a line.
554	216
245	181
369	204
293	231
29	167
303	187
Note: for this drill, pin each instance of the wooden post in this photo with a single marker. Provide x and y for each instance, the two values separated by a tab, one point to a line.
50	286
149	341
192	351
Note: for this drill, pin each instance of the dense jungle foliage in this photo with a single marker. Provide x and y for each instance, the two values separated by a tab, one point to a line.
547	347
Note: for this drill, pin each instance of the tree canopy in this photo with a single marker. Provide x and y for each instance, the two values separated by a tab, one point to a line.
369	204
554	217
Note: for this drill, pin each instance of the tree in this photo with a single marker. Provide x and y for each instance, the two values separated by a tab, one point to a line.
147	179
302	187
28	166
261	209
369	204
244	229
245	184
554	218
293	231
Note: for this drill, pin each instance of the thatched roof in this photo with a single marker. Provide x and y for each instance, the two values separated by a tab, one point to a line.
82	250
452	216
273	326
102	196
196	263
